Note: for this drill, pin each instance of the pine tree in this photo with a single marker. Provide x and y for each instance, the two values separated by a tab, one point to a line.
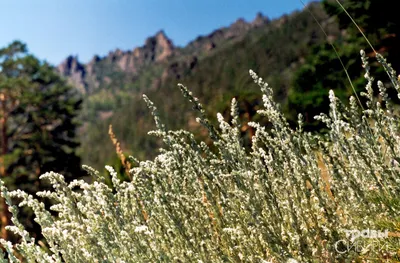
37	124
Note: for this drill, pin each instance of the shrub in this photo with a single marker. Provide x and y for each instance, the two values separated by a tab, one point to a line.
291	197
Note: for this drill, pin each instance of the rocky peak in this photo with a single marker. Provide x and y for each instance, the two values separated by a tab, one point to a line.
235	31
158	47
240	24
92	63
260	20
115	55
155	48
240	27
74	72
162	39
70	65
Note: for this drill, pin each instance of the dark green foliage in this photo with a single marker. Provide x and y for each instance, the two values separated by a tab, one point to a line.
38	122
323	70
321	73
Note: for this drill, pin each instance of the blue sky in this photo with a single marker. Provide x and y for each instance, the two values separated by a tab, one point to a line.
54	29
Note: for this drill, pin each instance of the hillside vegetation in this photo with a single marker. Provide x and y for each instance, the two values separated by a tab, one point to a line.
214	66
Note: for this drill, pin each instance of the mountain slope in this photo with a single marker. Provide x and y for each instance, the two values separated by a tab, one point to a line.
215	67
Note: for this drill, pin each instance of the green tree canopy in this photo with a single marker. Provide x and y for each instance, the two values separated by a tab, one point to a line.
37	122
379	21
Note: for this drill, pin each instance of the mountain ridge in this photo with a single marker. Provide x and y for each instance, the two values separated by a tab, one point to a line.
156	49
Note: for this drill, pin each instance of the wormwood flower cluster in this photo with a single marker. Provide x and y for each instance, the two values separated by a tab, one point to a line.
287	199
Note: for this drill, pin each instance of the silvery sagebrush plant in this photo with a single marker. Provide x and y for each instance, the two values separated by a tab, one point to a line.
290	198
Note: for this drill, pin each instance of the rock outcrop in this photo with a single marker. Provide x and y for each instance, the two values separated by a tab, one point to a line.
235	31
75	73
156	49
